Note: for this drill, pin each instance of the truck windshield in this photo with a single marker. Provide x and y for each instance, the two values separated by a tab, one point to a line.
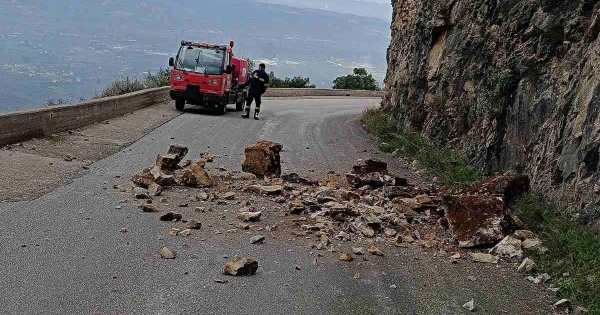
200	60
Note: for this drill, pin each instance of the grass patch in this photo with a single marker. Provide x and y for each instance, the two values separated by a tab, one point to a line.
450	166
127	85
55	138
573	252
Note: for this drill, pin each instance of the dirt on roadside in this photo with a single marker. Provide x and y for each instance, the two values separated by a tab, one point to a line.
33	168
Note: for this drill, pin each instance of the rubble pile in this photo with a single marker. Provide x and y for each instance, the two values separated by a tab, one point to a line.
372	207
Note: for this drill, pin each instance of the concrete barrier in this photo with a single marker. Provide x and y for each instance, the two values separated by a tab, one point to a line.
321	92
24	125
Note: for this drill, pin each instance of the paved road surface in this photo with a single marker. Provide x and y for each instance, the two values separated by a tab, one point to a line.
75	261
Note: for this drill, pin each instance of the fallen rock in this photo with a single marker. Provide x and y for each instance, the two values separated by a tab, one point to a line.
155	189
390	232
268	190
142	180
369	166
531	243
297	207
167	162
485	258
185	233
399	191
366	230
526	266
508	247
241	267
193	225
167	253
358	251
476	220
373	180
179	151
140	193
257	239
324	239
263	159
563	306
196	176
470	306
346	257
398	180
228	195
524	234
150	208
375	251
162	178
241	225
249	216
297	179
171	216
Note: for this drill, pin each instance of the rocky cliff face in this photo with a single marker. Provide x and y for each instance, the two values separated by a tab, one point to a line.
513	83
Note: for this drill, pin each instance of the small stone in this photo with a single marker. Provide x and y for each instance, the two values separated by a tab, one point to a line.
358	251
140	193
563	306
471	278
485	258
581	310
155	189
241	225
123	230
228	195
390	232
375	251
324	240
150	208
171	216
199	209
356	276
241	267
526	266
296	206
268	190
470	306
298	267
185	233
343	236
193	225
257	239
167	253
544	277
346	257
531	243
221	281
250	216
174	232
366	230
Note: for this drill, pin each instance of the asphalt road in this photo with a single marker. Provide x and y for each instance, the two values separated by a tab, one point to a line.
63	253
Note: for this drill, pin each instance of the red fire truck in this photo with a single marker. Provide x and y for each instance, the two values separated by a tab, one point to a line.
208	75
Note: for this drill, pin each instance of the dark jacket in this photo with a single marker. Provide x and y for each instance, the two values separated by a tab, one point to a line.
258	83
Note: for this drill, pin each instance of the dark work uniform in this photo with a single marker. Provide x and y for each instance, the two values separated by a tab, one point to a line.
257	86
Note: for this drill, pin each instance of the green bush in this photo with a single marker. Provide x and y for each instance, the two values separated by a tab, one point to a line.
162	78
127	85
450	166
572	255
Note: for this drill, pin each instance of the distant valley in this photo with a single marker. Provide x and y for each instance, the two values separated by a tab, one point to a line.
59	49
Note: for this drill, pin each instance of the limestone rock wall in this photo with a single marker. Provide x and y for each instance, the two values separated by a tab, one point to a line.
513	83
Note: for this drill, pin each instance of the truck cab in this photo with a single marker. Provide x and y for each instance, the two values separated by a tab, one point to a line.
208	75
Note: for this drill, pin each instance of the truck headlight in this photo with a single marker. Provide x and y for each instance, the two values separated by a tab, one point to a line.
213	81
178	77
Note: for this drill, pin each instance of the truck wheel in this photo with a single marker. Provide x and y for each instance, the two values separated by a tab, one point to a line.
180	104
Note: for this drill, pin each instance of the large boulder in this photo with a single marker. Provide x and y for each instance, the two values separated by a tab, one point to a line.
143	179
373	180
477	220
167	162
509	187
263	159
196	176
179	151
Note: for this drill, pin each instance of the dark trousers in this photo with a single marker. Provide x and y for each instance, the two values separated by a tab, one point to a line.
256	98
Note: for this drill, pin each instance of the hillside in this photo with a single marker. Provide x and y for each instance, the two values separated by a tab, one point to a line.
70	49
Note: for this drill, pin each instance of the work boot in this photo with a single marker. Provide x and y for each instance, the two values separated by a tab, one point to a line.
256	112
246	113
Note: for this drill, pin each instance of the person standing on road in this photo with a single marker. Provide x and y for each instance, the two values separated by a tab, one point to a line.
257	86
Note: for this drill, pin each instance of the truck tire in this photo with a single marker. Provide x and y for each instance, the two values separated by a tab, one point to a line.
180	104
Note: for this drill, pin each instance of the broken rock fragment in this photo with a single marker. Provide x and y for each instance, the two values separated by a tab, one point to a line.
369	166
263	159
241	267
155	189
140	193
372	180
257	239
193	225
346	257
297	179
485	258
249	216
142	180
196	176
170	216
296	206
179	151
526	266
150	208
375	251
268	190
167	253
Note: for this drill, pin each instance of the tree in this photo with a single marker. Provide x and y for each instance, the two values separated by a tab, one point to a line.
360	79
251	65
297	82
